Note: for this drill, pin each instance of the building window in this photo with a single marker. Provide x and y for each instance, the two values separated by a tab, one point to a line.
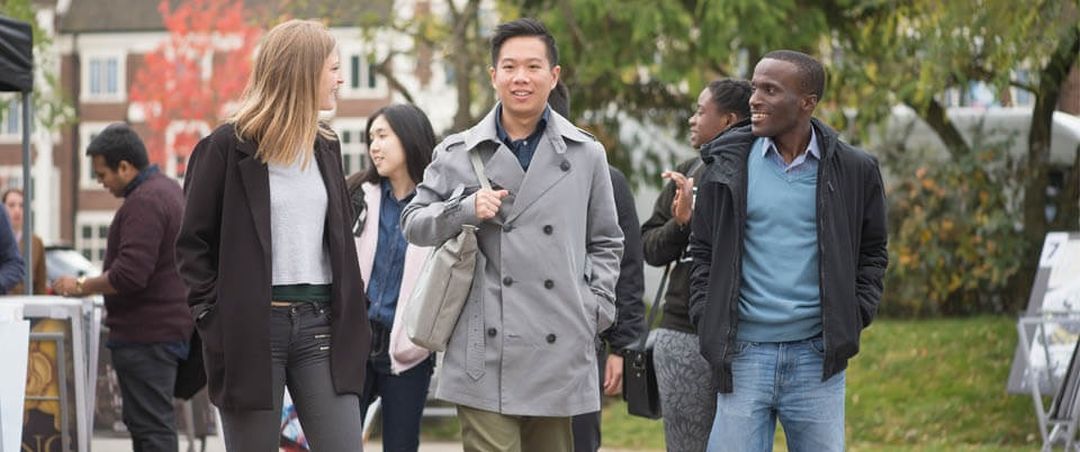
11	121
353	144
362	78
363	75
103	78
93	234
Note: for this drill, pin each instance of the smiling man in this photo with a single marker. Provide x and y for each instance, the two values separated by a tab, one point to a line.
521	360
788	243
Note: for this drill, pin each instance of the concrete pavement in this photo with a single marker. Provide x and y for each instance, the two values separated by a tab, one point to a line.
215	444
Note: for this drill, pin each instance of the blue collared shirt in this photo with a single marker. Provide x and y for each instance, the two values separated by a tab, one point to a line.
802	164
386	273
526	147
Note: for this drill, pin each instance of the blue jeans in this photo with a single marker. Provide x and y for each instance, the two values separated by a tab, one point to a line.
780	380
403	395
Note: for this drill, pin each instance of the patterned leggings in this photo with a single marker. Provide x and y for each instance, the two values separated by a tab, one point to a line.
687	396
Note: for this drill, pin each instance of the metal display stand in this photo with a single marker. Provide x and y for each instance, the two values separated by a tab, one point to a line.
1054	430
84	316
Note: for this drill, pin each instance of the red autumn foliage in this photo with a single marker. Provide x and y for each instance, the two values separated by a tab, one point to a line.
174	84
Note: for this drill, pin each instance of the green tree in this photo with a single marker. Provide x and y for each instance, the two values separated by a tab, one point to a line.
911	53
645	61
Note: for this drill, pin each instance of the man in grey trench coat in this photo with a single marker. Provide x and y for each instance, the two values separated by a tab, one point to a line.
522	360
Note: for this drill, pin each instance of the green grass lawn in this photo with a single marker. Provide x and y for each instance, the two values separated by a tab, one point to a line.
917	385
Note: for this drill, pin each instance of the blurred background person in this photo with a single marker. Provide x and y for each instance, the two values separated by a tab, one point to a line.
148	319
13	203
629	308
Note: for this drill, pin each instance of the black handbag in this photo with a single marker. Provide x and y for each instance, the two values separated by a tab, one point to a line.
640	389
190	373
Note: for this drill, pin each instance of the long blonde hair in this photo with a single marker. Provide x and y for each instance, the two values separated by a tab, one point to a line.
280	105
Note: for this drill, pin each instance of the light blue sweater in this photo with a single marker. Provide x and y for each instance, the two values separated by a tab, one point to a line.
779	298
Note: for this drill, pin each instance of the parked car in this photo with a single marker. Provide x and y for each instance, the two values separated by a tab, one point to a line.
63	260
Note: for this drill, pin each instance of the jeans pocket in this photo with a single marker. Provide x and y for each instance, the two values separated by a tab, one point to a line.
817	344
740	347
324	313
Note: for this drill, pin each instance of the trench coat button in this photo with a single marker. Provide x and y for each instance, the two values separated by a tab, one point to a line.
551	338
508	228
492	332
549	284
548	229
508	281
565	165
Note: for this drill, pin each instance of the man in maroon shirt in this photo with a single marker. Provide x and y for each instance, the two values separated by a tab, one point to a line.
145	299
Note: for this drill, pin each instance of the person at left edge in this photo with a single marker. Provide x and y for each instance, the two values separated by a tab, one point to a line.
266	247
149	324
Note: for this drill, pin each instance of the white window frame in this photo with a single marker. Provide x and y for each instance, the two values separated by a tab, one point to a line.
96	244
356	148
13	109
87	180
87	61
364	90
175	128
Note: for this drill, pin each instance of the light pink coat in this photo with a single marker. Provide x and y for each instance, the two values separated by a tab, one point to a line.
403	353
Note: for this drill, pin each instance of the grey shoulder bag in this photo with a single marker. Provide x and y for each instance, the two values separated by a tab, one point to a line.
444	283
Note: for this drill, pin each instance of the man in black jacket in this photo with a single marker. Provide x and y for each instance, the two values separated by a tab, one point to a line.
629	308
788	242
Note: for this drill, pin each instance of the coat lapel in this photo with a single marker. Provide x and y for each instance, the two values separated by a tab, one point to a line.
549	164
504	171
501	167
256	181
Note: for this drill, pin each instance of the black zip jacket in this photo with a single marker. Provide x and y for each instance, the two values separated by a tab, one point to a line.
852	239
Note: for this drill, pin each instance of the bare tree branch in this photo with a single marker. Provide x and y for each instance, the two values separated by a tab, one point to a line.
384	68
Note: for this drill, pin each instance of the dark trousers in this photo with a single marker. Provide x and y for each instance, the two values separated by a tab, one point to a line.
403	395
147	374
300	353
587	426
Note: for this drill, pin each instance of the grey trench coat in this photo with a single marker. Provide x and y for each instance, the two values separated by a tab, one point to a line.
545	280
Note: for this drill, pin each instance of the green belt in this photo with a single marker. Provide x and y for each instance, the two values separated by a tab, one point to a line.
318	293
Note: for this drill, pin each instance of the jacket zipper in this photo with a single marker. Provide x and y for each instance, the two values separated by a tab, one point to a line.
736	270
822	176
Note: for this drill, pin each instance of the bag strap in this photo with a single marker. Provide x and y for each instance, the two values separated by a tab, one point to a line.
478	168
657	304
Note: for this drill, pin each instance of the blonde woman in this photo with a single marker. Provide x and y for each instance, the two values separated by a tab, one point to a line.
267	252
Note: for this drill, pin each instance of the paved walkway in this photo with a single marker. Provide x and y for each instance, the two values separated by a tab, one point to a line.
100	444
104	444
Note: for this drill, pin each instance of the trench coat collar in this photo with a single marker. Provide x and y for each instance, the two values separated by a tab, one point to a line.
557	126
549	164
